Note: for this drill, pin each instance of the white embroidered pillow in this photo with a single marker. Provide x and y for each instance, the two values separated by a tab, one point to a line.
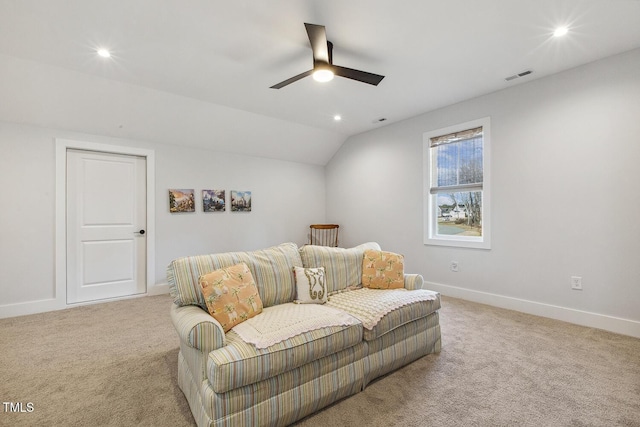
310	285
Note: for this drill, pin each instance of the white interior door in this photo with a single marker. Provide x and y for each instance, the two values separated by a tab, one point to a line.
106	220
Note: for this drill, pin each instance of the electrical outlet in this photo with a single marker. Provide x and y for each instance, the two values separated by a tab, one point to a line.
454	266
576	283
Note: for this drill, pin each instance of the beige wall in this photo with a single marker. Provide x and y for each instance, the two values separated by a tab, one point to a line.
565	156
287	197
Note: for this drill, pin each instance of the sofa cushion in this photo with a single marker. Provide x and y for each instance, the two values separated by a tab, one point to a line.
343	267
272	270
238	363
231	295
382	270
382	310
311	285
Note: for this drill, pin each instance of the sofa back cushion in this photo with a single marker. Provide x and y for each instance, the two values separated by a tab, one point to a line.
272	270
343	267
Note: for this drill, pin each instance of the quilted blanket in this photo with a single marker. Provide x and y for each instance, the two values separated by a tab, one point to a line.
370	305
284	321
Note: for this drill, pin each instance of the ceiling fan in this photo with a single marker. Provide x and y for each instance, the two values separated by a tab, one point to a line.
323	67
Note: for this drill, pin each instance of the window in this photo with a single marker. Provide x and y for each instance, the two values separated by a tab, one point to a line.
456	185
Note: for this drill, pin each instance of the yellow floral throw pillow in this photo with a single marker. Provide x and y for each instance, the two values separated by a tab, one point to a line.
231	295
382	270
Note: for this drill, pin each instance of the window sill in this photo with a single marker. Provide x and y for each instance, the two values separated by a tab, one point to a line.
460	242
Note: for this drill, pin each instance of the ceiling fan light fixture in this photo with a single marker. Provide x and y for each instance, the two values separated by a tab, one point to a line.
323	74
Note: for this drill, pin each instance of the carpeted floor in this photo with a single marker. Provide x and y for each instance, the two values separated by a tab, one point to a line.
115	364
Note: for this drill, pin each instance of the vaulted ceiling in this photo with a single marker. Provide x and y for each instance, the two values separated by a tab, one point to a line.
199	72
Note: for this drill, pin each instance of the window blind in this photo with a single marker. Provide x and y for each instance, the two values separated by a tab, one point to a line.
457	161
456	136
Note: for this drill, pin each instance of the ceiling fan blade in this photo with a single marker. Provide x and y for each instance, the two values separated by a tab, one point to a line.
318	39
361	76
292	80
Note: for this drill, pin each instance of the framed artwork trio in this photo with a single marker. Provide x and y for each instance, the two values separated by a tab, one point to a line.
184	200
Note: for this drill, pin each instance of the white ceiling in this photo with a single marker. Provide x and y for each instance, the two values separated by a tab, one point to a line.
222	56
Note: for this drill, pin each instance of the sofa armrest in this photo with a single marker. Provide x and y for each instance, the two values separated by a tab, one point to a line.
197	328
413	281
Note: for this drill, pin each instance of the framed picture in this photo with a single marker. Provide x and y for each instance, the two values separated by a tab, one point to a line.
181	200
213	200
240	201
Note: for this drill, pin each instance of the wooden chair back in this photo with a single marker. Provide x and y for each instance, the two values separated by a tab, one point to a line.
324	235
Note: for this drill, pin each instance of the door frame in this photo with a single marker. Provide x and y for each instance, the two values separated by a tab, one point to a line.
62	145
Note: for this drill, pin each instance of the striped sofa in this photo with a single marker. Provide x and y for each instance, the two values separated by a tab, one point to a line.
229	382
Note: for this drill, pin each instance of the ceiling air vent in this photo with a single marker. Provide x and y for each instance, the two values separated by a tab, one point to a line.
516	76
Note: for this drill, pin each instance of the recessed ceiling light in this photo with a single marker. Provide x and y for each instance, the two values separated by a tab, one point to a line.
337	117
104	53
560	31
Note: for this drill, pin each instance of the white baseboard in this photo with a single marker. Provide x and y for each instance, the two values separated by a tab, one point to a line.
160	289
584	318
30	307
34	307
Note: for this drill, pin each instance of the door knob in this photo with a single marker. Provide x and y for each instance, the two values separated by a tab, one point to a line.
140	232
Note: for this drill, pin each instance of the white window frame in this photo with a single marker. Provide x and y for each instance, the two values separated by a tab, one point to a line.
430	200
